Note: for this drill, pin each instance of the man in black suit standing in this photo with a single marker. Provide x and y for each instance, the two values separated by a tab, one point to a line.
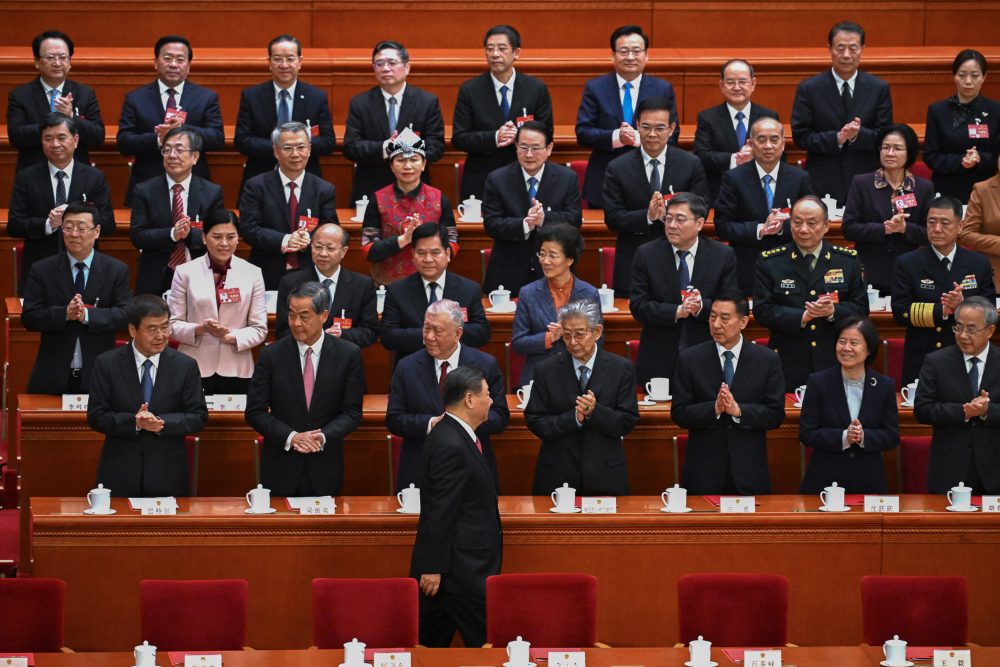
722	138
352	295
77	300
954	396
146	398
282	99
674	280
519	199
168	212
52	92
150	112
492	106
638	184
728	393
281	208
755	201
41	192
406	300
375	117
458	509
837	115
582	404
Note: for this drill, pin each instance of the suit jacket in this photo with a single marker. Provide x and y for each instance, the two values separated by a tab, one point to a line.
715	140
192	301
276	406
143	110
140	463
956	443
626	202
818	113
152	222
591	456
27	107
415	398
406	302
947	138
50	289
33	199
981	227
719	444
599	115
656	295
919	282
264	219
458	533
354	297
825	417
742	205
513	262
368	128
535	310
258	116
478	117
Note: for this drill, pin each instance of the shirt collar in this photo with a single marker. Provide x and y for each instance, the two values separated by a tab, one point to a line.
736	349
316	347
761	173
186	183
335	277
452	360
950	256
693	251
88	260
635	84
164	88
538	175
510	83
981	356
439	281
298	181
412	194
53	169
840	82
290	89
140	358
589	363
646	157
464	424
48	89
733	111
909	181
398	96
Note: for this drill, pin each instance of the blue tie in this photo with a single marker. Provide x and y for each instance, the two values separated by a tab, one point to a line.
433	294
974	376
147	381
627	104
60	187
683	277
53	94
741	129
504	103
584	377
727	368
769	191
283	114
392	115
532	187
80	282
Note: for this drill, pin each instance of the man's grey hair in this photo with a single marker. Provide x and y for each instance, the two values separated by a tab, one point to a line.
449	308
294	126
587	310
319	295
980	303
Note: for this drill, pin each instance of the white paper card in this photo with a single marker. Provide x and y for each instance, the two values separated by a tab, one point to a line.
158	508
226	402
75	402
991	503
213	660
737	504
401	659
769	658
314	504
14	662
567	658
953	658
881	503
601	505
142	504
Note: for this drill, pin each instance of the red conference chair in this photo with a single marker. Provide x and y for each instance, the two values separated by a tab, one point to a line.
607	266
194	615
258	452
925	611
513	365
484	262
579	167
523	604
921	170
732	609
914	457
383	613
892	360
762	341
395	444
192	446
17	261
459	174
31	615
632	348
680	449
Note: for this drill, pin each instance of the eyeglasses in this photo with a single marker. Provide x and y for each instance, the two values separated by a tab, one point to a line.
972	331
286	60
56	58
889	148
841	49
736	83
529	149
78	229
554	256
645	128
387	62
171	60
294	148
422	254
319	247
162	331
179	150
625	53
577	335
679	219
503	48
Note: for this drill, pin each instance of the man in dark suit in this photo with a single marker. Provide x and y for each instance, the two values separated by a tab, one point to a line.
519	199
282	99
168	211
492	106
837	115
674	280
931	282
146	398
406	300
459	540
728	393
721	140
41	192
755	201
604	121
803	290
281	208
28	105
352	295
305	397
582	404
375	117
955	397
638	184
415	405
171	101
77	300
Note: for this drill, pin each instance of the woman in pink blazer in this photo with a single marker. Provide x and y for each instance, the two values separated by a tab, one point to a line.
217	309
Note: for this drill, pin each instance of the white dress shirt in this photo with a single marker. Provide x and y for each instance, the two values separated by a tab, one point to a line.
298	195
317	349
452	365
527	187
291	97
616	141
736	350
465	425
140	359
165	97
746	122
332	289
440	286
576	371
774	189
68	170
510	87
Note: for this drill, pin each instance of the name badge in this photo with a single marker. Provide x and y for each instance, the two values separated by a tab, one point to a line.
978	131
969	282
756	658
314	130
197	223
950	658
909	200
465	314
307	223
214	660
20	661
567	658
343	322
927	283
75	402
787	283
833	276
179	114
881	503
521	120
320	505
229	295
737	504
159	507
991	503
401	659
601	505
226	402
685	293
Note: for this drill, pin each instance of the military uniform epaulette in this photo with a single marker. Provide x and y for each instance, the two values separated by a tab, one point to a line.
845	251
780	250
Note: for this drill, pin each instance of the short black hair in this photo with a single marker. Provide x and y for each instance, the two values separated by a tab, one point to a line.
173	39
36	43
845	26
145	305
909	138
946	202
733	61
429	230
318	296
567	236
79	208
697	203
628	30
220	216
513	36
194	138
391	44
868	331
55	119
460	381
963	56
738	300
284	38
537	126
654	104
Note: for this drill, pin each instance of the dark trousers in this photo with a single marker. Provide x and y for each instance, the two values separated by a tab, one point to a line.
220	384
444	613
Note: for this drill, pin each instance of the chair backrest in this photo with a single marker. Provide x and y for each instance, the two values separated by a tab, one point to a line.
258	453
17	261
925	611
914	457
459	173
734	609
680	448
632	348
522	604
484	262
513	365
580	168
395	444
762	341
382	613
892	359
921	170
194	615
607	266
192	445
31	615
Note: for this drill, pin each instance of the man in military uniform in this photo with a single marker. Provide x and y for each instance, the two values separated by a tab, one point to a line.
930	282
803	289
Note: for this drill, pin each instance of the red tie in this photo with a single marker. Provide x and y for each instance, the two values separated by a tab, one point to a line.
177	255
308	377
293	211
479	445
444	374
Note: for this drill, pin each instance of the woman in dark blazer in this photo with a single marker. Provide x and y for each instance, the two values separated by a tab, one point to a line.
849	416
886	210
960	161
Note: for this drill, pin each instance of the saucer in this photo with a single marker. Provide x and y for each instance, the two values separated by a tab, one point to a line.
647	402
906	404
514	664
700	664
826	508
92	512
666	398
521	406
670	511
886	663
470	219
953	508
499	311
796	405
270	510
402	511
576	510
357	219
610	310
